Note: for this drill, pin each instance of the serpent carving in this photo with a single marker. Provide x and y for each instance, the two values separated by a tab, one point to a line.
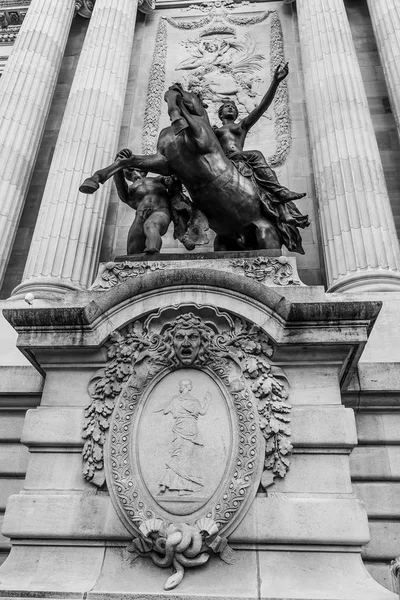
179	545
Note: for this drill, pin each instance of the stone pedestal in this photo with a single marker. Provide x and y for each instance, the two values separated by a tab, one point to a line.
264	266
299	539
66	241
26	90
359	237
385	17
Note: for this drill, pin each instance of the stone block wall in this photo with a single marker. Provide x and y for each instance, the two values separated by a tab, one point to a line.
20	389
375	462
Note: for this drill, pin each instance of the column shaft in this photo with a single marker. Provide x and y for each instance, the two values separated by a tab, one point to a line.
26	91
385	17
359	236
66	242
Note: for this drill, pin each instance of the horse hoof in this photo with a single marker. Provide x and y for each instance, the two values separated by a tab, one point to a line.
150	251
89	186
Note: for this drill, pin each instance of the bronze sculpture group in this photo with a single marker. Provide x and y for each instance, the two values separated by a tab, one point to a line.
235	189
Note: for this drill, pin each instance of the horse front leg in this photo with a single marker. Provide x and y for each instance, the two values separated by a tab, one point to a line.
156	163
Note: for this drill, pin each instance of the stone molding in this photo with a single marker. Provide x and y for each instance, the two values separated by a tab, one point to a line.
324	321
273	272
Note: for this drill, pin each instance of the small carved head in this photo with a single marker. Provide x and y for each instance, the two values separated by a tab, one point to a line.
210	46
185	386
228	109
188	339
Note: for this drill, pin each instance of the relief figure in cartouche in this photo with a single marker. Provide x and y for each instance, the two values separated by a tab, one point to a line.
181	474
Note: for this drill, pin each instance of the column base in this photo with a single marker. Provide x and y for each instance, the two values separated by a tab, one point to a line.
46	288
367	281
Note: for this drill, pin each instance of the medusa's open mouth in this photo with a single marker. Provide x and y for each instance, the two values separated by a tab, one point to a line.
186	351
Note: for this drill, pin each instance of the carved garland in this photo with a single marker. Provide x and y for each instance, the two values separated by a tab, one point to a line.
283	124
156	85
155	91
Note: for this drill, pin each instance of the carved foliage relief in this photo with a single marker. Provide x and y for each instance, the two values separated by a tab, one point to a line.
186	418
221	52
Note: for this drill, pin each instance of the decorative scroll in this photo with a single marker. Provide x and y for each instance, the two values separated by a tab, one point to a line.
262	268
114	273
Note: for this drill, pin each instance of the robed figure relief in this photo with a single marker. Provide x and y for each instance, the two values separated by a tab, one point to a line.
182	474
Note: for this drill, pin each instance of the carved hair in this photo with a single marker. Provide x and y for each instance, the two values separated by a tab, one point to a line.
231	102
189	321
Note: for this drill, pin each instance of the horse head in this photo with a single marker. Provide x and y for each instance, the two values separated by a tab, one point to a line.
192	101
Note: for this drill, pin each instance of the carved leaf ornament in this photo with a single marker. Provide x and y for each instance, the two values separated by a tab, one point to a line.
186	418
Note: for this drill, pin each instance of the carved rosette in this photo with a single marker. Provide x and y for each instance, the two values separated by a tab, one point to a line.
196	417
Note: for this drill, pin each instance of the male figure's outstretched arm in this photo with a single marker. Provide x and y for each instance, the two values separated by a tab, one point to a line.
120	181
280	74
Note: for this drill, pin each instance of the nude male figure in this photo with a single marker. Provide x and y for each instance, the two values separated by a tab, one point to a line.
149	196
232	135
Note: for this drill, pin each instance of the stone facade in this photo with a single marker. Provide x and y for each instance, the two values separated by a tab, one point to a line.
297	365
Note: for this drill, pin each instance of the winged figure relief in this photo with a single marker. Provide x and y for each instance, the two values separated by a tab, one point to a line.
224	68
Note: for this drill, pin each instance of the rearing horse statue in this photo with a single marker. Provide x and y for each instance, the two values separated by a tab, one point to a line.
241	214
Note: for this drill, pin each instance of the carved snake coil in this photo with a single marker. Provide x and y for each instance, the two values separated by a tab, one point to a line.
180	548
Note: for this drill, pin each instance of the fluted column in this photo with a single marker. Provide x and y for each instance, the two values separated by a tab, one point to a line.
359	236
385	17
26	91
66	241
